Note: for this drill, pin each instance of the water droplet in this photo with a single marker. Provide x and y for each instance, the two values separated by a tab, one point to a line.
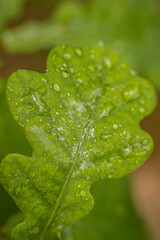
56	87
131	92
141	110
65	74
29	107
115	126
82	193
64	65
105	136
78	52
126	151
108	63
109	107
67	56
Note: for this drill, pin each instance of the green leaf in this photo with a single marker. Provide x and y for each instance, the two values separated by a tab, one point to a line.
114	209
81	118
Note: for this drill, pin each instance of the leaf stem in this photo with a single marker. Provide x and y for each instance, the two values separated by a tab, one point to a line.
67	179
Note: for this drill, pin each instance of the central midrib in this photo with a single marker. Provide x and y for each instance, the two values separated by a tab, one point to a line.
67	179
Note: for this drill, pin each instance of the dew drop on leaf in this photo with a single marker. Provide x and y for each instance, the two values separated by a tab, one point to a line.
83	193
115	126
56	87
65	74
67	56
131	92
141	110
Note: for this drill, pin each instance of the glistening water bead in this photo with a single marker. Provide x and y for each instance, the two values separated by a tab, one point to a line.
65	74
67	56
131	92
56	87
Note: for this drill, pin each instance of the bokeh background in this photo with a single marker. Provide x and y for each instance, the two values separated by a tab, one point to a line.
28	30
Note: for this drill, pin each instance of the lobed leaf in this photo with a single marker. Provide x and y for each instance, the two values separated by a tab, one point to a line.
114	209
81	118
